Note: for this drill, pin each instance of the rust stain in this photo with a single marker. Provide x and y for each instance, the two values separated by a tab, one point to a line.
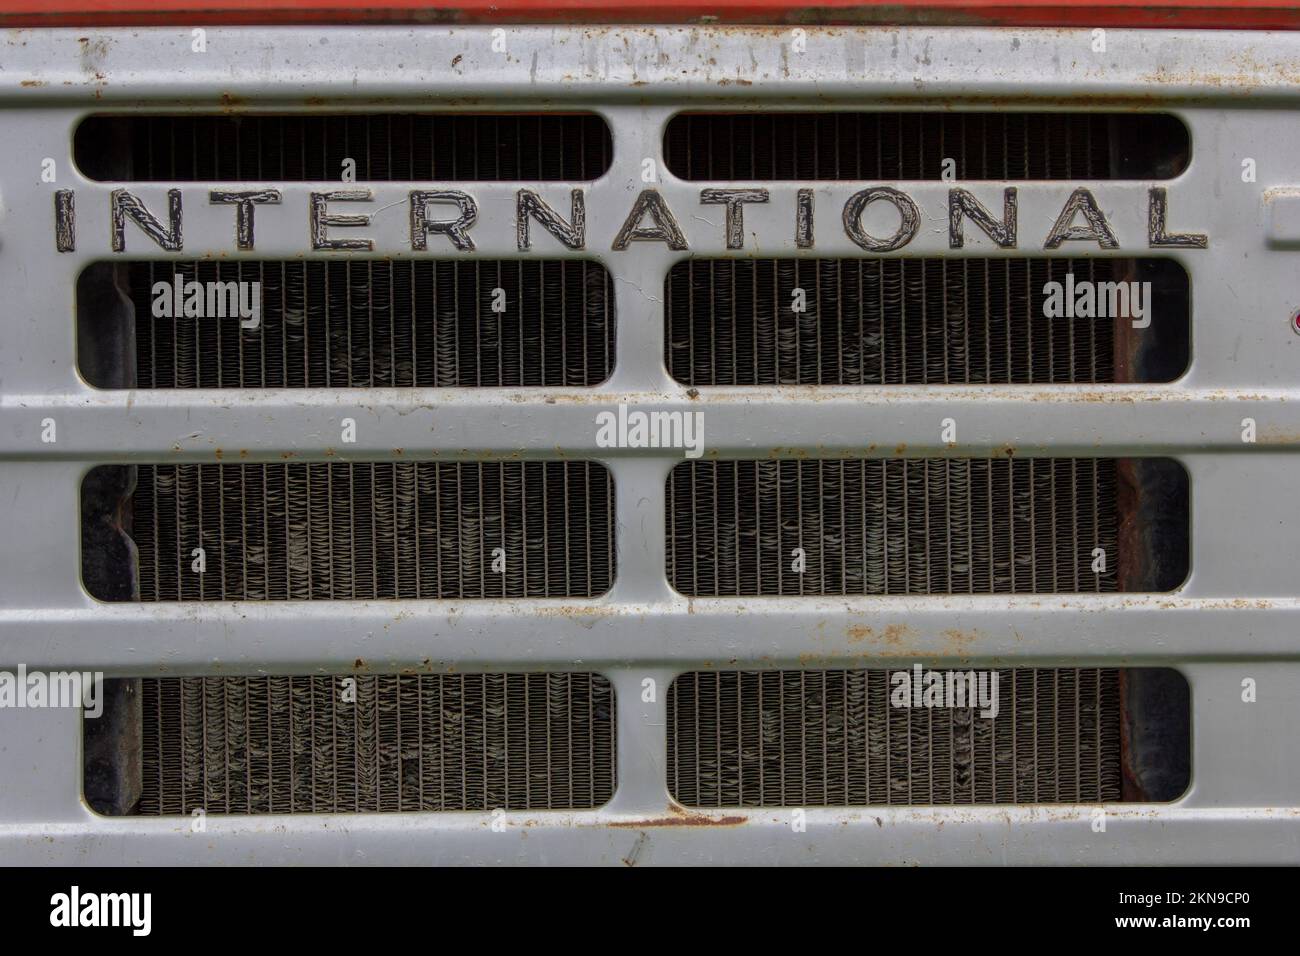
682	820
33	83
895	634
856	633
959	639
679	816
1243	71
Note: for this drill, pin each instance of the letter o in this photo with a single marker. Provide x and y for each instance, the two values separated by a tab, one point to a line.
909	215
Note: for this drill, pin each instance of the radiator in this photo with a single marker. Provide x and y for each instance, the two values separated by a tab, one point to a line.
603	448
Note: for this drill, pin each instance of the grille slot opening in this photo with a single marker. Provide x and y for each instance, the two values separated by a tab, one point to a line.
891	146
834	739
926	526
921	322
442	147
349	324
263	745
349	531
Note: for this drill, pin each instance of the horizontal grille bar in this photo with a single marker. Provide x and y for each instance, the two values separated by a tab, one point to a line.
312	147
368	744
894	526
362	531
915	322
833	738
375	324
915	145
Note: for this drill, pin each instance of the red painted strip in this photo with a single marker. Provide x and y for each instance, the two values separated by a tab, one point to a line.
1224	14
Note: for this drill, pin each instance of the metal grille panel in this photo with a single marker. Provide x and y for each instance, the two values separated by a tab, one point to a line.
913	146
378	324
360	531
256	745
832	738
385	147
889	321
892	526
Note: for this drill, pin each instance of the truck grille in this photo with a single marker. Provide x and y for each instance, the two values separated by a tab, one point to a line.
912	322
361	531
256	745
312	148
832	738
913	146
891	526
481	591
376	324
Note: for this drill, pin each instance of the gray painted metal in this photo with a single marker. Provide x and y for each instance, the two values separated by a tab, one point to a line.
1236	617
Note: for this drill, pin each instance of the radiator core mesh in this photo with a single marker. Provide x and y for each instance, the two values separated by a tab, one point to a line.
914	145
361	531
382	324
385	147
832	738
886	322
892	526
257	745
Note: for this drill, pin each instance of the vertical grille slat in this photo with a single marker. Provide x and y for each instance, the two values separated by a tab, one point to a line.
832	738
261	745
382	324
893	526
366	531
